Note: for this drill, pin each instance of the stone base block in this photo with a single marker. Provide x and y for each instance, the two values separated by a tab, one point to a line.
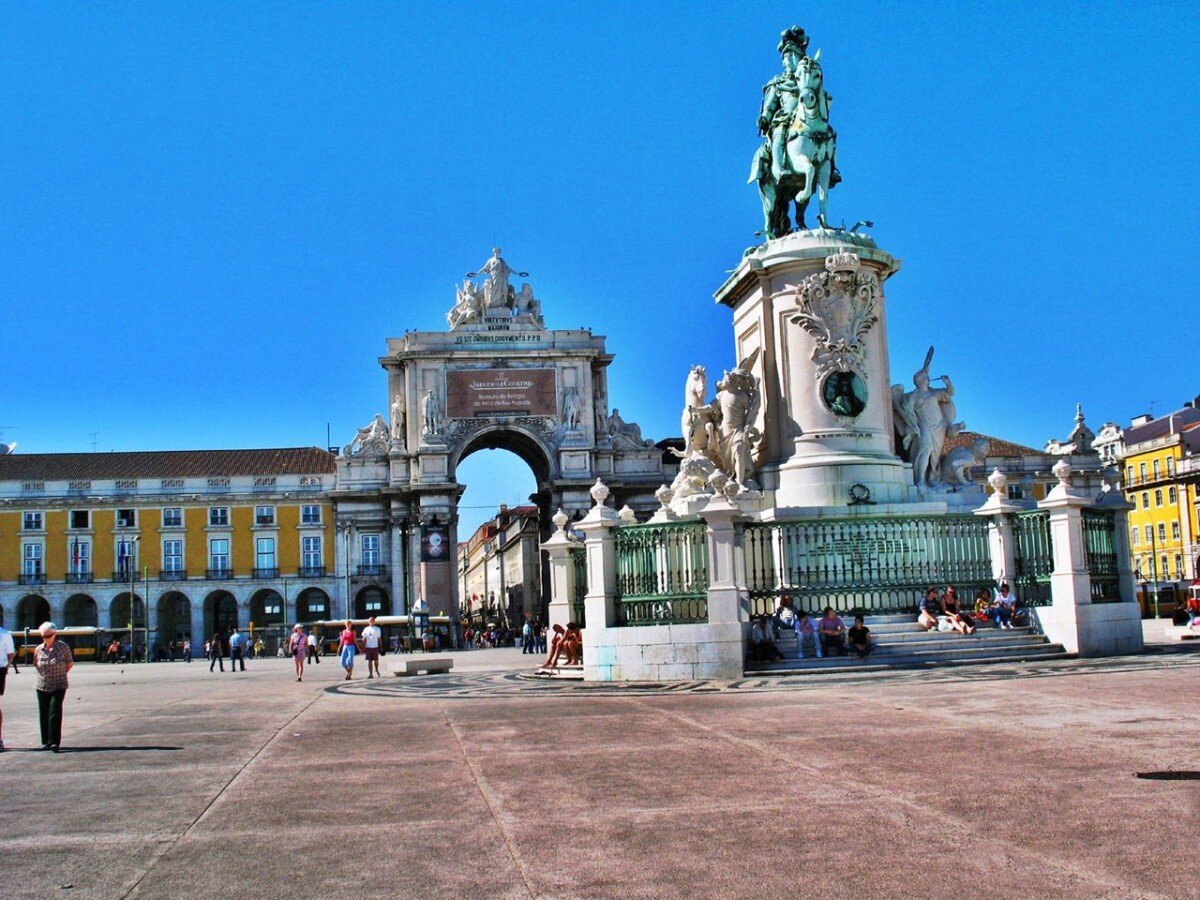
1093	629
663	653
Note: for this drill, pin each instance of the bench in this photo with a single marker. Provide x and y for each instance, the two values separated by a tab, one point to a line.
429	665
1181	632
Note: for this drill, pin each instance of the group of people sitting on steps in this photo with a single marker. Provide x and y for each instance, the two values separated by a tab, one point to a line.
827	635
945	612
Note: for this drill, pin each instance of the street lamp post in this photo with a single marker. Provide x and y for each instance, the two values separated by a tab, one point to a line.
345	529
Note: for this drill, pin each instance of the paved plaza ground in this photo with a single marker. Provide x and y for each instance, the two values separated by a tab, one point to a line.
1002	781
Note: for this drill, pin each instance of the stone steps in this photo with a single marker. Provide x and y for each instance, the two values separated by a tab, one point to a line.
902	661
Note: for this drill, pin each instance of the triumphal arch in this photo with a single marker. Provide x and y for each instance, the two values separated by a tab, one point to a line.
496	378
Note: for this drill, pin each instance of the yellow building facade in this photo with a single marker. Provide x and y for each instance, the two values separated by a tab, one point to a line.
208	540
1160	482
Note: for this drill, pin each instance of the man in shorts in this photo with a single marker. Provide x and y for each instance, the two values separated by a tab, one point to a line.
8	652
372	637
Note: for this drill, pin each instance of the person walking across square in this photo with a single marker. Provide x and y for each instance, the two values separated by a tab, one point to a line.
8	652
53	661
297	643
236	651
372	637
347	643
216	652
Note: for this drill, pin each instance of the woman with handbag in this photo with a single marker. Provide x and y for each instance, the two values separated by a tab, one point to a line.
53	661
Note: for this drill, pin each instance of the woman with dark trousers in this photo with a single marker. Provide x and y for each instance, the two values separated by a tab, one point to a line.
53	661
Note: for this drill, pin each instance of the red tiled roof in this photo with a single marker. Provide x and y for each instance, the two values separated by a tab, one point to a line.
165	464
996	446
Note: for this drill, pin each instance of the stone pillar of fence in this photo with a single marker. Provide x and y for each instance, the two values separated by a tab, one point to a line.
562	572
1002	545
726	566
1114	501
599	604
1072	619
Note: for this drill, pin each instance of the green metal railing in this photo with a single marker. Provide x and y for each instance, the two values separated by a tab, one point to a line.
579	562
869	564
1101	554
662	573
1034	557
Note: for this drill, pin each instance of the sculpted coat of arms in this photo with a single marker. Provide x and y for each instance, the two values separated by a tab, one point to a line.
838	308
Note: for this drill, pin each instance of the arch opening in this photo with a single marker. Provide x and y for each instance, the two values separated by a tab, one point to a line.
32	611
118	612
220	613
80	612
174	617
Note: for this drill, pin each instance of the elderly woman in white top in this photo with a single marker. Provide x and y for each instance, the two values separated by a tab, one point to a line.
53	661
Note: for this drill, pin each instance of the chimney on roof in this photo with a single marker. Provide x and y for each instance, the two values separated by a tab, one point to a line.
1143	419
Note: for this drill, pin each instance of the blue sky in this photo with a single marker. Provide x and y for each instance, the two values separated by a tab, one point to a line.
212	215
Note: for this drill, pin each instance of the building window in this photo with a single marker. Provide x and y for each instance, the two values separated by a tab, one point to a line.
218	516
1170	465
1164	571
1149	535
1016	492
1145	499
1157	469
1179	566
218	554
81	557
1162	533
1142	471
31	559
310	515
264	553
310	548
80	518
172	556
1172	496
126	518
1134	534
1129	475
126	558
264	515
1174	531
1158	497
370	549
31	521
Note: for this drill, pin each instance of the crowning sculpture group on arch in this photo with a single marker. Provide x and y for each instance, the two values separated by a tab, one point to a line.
806	428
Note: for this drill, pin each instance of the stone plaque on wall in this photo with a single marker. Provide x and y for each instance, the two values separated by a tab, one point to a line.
500	392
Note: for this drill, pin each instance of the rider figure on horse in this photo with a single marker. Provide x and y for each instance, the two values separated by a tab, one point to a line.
781	97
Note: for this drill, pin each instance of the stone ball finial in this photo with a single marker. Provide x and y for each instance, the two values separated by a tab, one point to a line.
998	480
663	495
1112	478
717	480
627	515
1062	471
599	492
560	520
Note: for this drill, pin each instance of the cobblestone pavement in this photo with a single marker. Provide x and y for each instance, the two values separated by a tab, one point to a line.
998	781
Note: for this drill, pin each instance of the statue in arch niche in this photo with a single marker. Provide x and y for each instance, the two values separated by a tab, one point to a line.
431	413
399	421
572	410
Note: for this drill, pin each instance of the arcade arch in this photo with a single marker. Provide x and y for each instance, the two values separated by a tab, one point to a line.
220	612
118	611
32	611
312	604
80	612
266	608
174	617
372	601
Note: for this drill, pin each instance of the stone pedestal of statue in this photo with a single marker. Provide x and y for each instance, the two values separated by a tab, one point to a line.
812	302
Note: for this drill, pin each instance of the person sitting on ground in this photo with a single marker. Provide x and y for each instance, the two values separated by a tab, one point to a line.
806	633
1004	607
931	609
959	620
983	602
567	641
770	652
859	637
833	632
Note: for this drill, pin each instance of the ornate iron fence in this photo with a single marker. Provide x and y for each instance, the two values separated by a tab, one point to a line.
662	573
1034	557
1101	554
867	564
579	561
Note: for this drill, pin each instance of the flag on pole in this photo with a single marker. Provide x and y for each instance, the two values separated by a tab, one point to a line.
75	556
123	557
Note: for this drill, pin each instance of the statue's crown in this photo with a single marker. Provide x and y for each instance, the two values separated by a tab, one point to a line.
794	37
843	262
